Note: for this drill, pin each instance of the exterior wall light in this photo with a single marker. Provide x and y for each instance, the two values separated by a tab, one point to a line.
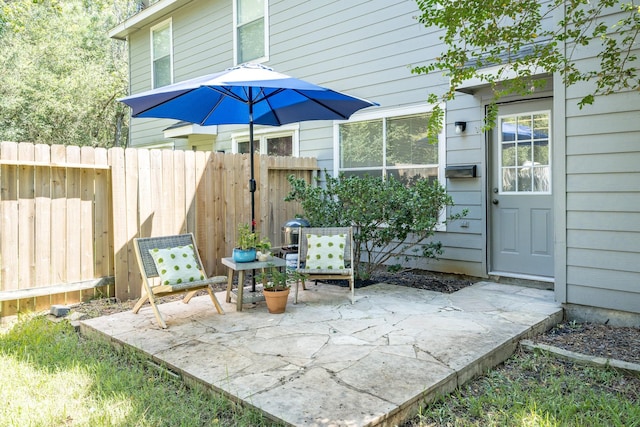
460	127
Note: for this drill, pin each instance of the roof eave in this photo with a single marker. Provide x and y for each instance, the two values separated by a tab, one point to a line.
145	17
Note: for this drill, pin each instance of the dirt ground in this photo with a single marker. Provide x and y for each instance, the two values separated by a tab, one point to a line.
586	338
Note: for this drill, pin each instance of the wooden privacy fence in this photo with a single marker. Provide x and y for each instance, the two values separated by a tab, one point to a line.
69	214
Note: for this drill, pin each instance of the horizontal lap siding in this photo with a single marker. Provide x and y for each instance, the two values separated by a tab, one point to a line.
603	199
364	48
202	42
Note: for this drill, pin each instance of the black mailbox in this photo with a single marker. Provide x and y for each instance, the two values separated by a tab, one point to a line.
460	171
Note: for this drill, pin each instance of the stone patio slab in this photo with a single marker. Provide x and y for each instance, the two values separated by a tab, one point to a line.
327	362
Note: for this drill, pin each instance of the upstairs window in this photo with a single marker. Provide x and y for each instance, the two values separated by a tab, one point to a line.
161	55
252	30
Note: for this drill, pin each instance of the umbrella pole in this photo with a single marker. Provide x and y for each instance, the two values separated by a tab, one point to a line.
252	181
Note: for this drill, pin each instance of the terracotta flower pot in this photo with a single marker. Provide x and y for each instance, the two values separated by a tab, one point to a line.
276	300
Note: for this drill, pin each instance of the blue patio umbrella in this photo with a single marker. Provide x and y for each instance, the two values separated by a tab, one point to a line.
246	94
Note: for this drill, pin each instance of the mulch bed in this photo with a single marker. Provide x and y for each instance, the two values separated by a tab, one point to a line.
621	343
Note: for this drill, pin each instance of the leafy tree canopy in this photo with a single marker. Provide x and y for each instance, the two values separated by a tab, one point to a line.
521	36
61	72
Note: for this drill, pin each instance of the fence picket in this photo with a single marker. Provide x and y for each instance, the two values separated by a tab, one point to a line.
8	225
43	198
58	221
26	214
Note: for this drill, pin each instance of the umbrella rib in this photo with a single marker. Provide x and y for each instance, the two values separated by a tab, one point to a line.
212	110
321	104
226	91
163	102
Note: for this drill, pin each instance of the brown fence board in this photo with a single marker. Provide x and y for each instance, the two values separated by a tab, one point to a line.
131	273
26	218
103	224
72	237
9	210
42	188
58	272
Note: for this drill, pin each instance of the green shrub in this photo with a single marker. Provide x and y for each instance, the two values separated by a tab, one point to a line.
390	219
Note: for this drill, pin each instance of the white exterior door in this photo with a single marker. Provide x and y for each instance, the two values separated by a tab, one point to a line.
520	192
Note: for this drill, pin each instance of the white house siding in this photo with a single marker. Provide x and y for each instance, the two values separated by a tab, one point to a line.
602	200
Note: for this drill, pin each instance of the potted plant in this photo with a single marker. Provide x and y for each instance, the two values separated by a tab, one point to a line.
276	285
263	249
245	250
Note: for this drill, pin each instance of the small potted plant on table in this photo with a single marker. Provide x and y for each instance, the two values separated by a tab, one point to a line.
264	249
245	250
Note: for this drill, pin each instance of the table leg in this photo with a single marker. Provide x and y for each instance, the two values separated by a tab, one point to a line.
229	283
240	289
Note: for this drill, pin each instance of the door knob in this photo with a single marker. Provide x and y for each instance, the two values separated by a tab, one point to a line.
495	201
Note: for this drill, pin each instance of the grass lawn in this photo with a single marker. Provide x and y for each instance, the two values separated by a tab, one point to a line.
536	389
54	377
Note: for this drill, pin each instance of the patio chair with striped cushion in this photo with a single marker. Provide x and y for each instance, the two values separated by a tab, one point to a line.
326	254
176	263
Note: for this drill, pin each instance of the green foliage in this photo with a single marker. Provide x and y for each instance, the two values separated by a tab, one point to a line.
520	36
53	377
273	279
247	239
538	390
61	72
391	220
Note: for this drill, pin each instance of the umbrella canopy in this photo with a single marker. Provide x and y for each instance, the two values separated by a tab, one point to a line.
246	94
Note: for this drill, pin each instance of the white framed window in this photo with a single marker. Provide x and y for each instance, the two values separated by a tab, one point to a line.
392	142
284	142
525	156
162	54
251	32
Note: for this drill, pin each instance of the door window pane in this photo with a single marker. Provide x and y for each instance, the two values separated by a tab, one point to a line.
542	179
525	152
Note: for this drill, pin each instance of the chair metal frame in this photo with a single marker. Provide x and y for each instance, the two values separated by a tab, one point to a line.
148	270
344	274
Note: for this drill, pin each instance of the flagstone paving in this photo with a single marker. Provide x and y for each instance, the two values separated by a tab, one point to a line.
327	362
